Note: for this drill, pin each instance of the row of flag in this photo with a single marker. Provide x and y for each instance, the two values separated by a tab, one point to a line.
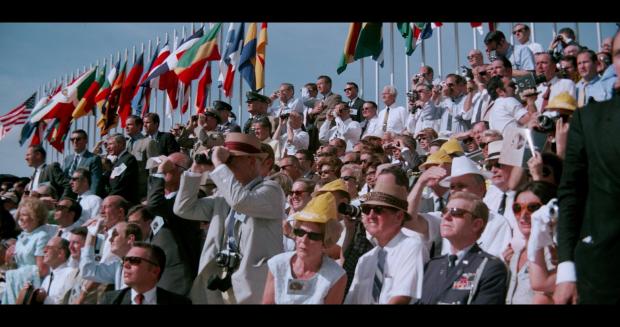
366	40
109	94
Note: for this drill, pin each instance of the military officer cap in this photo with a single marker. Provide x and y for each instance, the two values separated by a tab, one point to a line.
221	105
211	112
255	96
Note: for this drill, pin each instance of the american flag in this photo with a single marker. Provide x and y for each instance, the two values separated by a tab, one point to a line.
17	116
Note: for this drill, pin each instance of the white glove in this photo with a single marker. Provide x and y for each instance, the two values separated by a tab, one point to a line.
542	233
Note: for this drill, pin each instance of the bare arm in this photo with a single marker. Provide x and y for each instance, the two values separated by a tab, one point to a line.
399	300
269	296
541	279
430	177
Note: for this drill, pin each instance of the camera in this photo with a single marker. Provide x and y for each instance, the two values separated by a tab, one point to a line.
492	55
413	95
349	210
204	159
417	78
228	259
547	119
466	72
285	115
538	79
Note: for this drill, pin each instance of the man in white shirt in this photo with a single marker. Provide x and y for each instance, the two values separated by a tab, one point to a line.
520	56
346	128
522	33
453	111
392	118
507	111
90	203
371	124
60	279
294	138
546	65
284	101
113	211
66	214
422	111
390	273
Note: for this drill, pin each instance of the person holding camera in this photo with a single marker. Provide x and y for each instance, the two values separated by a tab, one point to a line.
507	111
308	275
520	56
346	128
422	110
287	102
294	139
551	85
245	216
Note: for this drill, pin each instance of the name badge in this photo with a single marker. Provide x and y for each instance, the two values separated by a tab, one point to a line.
241	217
300	286
353	112
465	282
118	171
157	224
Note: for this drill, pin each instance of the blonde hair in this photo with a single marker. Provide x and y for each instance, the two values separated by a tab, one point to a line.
36	207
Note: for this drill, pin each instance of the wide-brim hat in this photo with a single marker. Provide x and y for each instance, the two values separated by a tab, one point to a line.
463	166
438	158
563	101
319	210
221	105
495	149
255	96
239	144
388	195
337	185
452	147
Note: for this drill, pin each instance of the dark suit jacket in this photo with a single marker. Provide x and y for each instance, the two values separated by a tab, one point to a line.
124	297
589	194
126	184
91	162
167	143
53	175
441	287
357	105
181	242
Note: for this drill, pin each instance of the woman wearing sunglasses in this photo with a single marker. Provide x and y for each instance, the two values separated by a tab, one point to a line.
307	275
525	276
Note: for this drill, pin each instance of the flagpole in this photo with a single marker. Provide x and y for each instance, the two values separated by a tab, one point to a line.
423	53
475	36
240	116
156	95
439	68
219	89
598	33
533	35
181	84
361	95
555	29
392	49
376	81
577	32
172	49
512	36
456	45
406	77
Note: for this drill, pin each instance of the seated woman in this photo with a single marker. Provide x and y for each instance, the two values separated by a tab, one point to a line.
28	251
307	275
520	290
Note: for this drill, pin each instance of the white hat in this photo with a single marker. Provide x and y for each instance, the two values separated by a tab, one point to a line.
463	166
495	148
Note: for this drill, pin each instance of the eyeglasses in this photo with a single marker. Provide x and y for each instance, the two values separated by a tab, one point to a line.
491	164
468	140
482	145
348	89
73	139
325	172
285	166
61	207
521	30
483	73
420	138
530	207
348	178
456	212
471	57
134	261
377	209
298	193
311	235
75	178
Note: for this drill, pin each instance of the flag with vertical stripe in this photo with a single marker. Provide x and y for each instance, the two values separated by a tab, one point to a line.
248	57
129	89
261	48
350	43
203	89
230	60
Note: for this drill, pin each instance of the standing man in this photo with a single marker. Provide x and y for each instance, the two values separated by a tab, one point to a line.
546	65
371	124
245	218
124	176
166	143
392	118
346	128
44	173
224	110
467	275
588	193
588	86
520	56
142	148
90	203
286	101
82	158
257	107
355	102
522	33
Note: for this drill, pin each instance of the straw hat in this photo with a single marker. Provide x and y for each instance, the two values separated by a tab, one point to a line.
319	210
463	166
337	185
452	147
495	148
439	157
563	101
240	144
388	195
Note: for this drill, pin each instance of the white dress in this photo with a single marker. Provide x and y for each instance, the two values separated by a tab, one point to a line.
289	290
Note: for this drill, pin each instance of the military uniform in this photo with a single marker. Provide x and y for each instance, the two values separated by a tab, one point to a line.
478	278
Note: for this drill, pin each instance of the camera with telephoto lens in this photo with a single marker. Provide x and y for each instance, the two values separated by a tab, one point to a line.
204	159
466	72
349	210
546	121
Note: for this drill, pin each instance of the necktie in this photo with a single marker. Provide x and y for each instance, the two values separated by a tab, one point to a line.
130	144
546	97
502	205
479	113
581	101
79	198
440	204
385	119
59	234
378	280
74	164
139	298
451	263
49	286
449	123
32	179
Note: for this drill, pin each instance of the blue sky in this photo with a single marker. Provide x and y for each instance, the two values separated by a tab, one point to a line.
35	54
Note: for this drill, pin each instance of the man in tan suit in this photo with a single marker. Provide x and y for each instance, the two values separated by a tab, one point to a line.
233	263
142	148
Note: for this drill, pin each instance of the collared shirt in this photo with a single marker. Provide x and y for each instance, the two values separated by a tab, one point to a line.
61	283
424	117
592	89
293	104
608	79
403	271
373	127
535	47
34	184
90	205
505	113
558	85
493	199
478	104
397	118
521	57
150	296
460	118
348	130
301	140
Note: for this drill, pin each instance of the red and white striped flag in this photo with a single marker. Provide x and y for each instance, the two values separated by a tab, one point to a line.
17	116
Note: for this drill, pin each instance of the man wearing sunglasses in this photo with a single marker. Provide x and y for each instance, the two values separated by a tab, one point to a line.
82	158
522	33
143	266
520	56
355	102
390	273
67	214
468	275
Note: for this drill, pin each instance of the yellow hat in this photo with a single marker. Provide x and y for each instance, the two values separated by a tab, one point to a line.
437	158
333	186
452	147
563	101
319	210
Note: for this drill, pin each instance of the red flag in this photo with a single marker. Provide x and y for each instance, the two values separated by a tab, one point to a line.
129	89
203	89
186	95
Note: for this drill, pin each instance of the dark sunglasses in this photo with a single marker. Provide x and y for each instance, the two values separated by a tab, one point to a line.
468	140
377	209
298	193
483	73
521	30
75	178
482	145
530	207
348	89
489	165
325	172
348	178
311	235
456	212
61	207
73	139
134	261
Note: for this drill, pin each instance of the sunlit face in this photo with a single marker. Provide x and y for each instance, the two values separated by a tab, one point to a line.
299	196
381	220
149	126
585	66
76	242
458	223
467	183
52	252
368	110
63	216
131	128
388	97
27	220
304	246
120	243
111	212
142	274
78	142
544	65
261	132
